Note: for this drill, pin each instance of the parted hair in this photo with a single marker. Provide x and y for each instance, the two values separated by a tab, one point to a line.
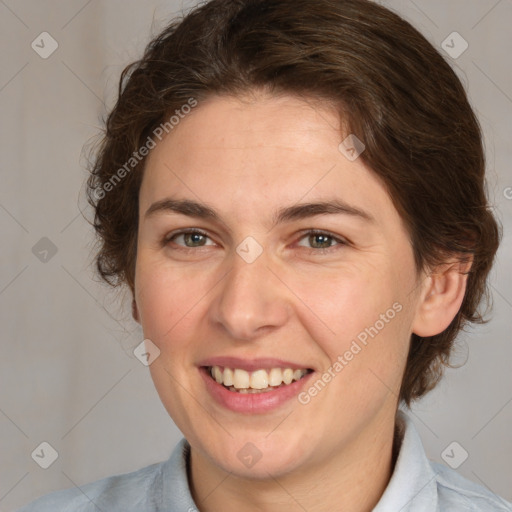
392	89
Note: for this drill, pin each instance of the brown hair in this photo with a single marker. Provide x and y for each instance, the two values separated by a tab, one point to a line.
393	90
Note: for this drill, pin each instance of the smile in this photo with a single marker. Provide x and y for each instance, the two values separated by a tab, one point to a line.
259	381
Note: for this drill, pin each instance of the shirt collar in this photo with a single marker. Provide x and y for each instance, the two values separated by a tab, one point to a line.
176	494
413	484
412	487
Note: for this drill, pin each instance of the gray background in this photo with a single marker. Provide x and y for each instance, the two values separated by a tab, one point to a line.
68	375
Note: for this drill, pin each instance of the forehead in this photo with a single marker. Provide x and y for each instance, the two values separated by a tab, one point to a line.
254	152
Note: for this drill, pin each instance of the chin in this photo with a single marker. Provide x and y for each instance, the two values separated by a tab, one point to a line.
258	457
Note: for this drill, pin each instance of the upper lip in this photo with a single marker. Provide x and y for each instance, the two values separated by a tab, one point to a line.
251	365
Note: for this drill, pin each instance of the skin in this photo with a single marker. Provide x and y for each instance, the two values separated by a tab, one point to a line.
197	298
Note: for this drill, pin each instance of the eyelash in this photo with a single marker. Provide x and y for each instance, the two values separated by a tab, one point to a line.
340	242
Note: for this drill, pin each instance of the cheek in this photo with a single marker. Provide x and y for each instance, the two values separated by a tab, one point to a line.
339	304
359	321
167	299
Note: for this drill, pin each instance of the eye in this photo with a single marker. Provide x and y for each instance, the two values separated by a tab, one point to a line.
190	239
321	241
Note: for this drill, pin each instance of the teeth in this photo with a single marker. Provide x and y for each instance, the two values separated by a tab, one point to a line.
275	377
288	376
217	374
228	377
241	379
260	380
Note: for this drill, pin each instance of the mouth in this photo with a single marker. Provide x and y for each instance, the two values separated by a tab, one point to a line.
263	380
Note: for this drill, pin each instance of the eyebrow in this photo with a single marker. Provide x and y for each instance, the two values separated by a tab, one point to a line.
290	213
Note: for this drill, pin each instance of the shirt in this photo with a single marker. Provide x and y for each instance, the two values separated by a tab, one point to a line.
416	485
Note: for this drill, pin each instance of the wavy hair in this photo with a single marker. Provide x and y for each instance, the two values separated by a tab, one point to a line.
392	89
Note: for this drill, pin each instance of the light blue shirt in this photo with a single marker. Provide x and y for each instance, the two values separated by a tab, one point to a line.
417	485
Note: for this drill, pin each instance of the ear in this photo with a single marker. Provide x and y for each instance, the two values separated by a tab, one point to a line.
135	312
441	298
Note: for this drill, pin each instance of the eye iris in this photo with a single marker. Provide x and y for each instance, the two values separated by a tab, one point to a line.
196	238
324	241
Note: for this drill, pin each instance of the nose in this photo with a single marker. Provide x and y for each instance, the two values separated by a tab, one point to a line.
250	301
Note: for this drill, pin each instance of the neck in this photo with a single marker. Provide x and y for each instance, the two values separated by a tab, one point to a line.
351	479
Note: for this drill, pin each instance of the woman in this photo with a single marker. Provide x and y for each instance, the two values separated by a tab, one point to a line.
293	191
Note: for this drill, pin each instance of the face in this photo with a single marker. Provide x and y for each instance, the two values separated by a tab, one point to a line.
236	276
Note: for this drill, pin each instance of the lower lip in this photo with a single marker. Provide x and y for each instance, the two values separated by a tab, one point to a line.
252	403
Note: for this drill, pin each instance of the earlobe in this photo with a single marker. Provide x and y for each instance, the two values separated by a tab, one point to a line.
441	298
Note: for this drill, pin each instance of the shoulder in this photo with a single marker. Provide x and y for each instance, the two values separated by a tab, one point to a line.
130	491
458	493
420	485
